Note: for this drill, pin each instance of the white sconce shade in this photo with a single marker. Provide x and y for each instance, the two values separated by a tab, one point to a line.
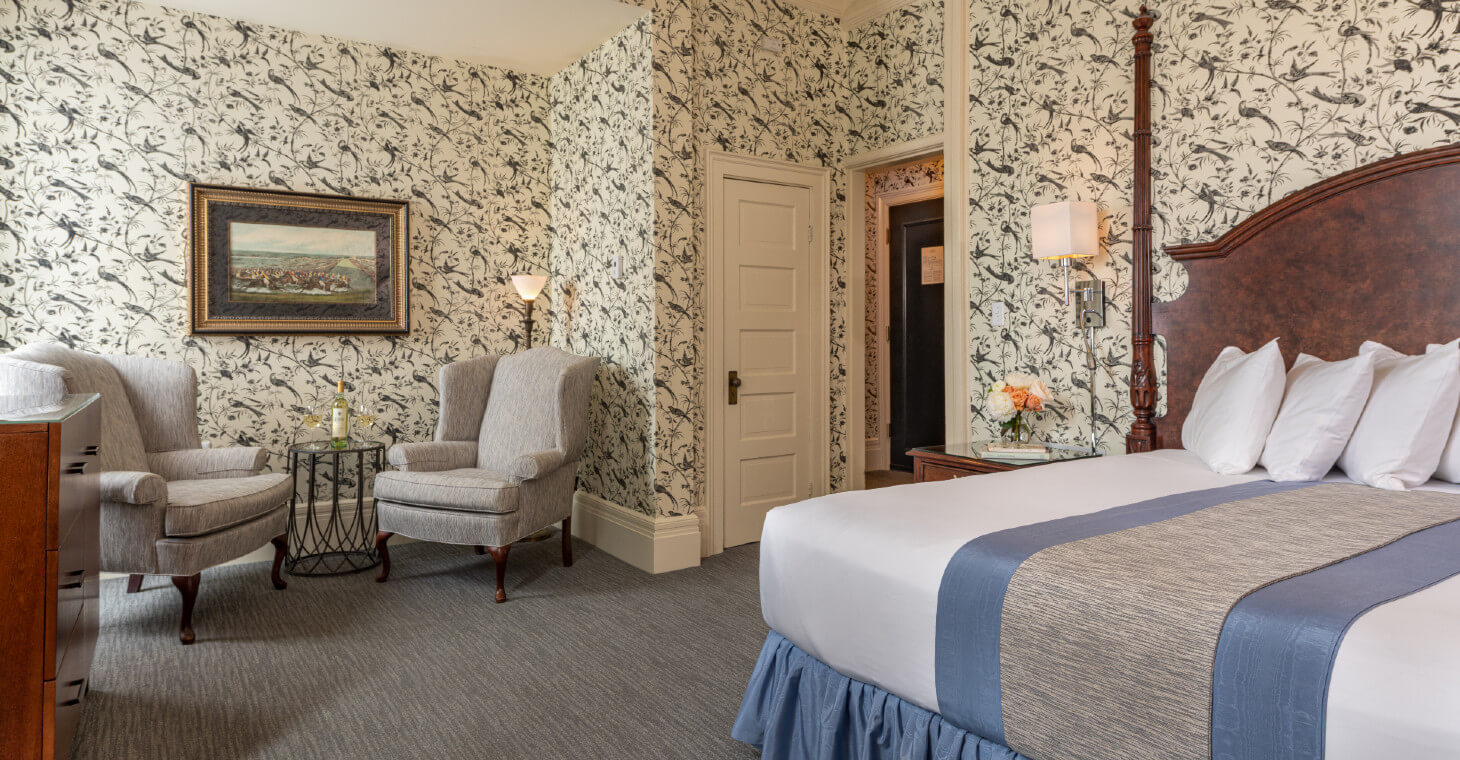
528	285
1064	230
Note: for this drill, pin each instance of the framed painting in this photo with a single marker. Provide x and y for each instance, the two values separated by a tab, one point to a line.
265	261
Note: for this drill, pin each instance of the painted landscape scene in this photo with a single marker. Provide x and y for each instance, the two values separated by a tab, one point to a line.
278	263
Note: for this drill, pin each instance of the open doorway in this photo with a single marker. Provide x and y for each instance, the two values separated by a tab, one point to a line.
905	332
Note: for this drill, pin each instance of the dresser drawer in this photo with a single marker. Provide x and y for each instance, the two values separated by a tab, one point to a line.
70	687
928	473
80	471
75	572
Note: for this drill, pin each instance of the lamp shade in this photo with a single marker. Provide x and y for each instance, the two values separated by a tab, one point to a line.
1064	230
528	285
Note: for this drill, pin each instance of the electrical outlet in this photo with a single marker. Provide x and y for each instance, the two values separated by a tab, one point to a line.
618	266
996	314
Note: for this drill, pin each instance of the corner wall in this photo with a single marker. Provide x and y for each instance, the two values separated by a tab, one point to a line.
602	191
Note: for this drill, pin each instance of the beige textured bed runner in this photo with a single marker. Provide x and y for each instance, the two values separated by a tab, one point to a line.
1107	643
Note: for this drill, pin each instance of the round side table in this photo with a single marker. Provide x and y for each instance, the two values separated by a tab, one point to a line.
328	537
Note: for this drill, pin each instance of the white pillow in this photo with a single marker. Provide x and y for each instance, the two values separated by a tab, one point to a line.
1234	408
1449	468
1320	408
1411	409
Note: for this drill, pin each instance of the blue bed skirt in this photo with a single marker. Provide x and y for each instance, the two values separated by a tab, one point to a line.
798	708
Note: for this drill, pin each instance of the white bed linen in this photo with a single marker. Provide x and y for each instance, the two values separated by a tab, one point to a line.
853	579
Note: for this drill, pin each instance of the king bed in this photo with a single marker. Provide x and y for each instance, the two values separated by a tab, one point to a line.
1148	606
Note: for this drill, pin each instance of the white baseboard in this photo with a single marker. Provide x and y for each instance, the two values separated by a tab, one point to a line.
654	545
879	456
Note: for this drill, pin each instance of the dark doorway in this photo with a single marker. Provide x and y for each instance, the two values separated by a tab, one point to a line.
915	312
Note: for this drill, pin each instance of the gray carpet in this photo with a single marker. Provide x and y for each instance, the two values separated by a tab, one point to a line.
598	660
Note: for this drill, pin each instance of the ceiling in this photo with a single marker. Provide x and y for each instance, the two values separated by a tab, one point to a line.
540	36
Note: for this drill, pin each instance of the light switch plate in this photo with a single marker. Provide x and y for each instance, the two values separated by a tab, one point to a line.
618	266
772	44
996	314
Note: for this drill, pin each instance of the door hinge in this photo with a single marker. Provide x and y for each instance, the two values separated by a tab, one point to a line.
810	234
889	430
889	333
808	489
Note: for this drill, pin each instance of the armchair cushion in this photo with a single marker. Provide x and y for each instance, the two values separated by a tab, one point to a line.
197	507
132	487
208	464
465	489
537	464
19	377
433	456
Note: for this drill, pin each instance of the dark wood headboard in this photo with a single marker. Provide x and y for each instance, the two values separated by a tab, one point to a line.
1370	254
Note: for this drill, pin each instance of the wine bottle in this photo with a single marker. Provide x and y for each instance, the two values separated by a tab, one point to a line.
340	419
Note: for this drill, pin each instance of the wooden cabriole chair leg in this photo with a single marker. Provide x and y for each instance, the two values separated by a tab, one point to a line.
281	546
567	542
134	583
384	552
499	559
188	585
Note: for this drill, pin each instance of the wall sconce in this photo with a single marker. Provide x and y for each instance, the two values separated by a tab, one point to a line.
1064	231
528	286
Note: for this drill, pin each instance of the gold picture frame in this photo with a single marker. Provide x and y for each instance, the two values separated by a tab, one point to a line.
282	262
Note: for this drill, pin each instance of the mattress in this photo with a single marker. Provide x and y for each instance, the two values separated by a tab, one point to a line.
853	580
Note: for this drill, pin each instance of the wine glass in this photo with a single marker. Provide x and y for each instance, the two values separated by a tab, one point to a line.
364	416
314	416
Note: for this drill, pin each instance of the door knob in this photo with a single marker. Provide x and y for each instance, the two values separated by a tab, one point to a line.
734	387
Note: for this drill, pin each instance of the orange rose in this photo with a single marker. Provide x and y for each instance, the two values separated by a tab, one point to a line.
1035	403
1019	396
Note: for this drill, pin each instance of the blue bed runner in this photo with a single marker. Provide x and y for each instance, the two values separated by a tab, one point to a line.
971	596
1276	649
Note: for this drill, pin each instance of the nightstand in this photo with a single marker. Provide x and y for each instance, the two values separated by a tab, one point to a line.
957	460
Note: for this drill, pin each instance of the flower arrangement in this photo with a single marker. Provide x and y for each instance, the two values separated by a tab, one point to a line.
1008	403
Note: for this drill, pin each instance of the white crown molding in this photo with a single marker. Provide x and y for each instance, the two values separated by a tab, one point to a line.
861	11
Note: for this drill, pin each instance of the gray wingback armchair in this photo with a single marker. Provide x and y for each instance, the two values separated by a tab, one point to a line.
168	505
504	461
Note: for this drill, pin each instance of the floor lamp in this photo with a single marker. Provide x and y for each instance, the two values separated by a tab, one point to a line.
528	286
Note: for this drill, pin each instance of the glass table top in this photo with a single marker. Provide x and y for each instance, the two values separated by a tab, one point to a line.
322	446
41	410
1058	452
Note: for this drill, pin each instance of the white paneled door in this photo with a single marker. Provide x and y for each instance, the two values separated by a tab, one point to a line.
767	245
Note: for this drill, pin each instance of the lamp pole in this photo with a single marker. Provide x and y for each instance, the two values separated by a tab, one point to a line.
527	321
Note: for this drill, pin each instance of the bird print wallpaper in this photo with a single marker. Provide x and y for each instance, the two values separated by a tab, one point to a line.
603	216
895	77
111	108
1251	101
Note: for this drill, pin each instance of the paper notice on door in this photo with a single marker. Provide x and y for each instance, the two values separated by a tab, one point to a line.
933	265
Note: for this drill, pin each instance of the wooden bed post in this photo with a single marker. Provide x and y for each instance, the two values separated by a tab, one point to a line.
1142	436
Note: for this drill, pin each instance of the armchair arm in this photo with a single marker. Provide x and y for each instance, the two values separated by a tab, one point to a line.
433	456
208	464
535	465
132	487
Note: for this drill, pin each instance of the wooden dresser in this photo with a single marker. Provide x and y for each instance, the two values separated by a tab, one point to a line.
49	566
958	460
